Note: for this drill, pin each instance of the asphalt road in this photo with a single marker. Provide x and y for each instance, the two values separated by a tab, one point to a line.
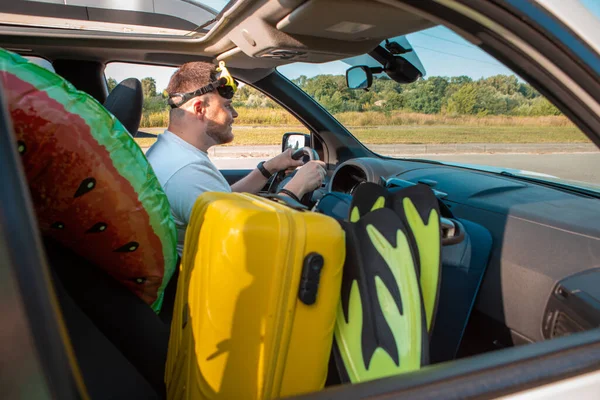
583	167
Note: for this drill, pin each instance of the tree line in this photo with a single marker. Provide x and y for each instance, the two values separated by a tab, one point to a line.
461	95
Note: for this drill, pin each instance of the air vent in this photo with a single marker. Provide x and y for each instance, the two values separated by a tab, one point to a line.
565	326
573	305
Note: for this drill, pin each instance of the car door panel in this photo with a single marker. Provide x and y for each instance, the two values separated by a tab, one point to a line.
540	236
463	267
234	175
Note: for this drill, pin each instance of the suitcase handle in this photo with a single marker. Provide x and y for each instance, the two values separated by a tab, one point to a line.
288	201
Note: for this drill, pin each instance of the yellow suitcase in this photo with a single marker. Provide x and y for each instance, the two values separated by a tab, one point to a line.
256	301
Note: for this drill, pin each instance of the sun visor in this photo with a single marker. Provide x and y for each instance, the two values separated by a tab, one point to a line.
350	20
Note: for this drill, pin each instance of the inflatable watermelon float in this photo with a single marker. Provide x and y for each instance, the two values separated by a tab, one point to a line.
93	189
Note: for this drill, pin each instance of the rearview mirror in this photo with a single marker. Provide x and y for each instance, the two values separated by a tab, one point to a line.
294	141
395	57
359	77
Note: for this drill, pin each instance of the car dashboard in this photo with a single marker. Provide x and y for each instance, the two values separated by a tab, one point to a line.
540	237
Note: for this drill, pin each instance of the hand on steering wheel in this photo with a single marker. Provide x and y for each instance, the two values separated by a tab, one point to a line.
308	178
306	151
309	174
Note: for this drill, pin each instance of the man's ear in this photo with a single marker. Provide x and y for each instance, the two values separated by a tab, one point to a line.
199	108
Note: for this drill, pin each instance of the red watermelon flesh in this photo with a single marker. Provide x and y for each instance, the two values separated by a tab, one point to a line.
80	198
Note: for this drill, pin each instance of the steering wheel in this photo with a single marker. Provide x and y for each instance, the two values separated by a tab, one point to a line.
304	153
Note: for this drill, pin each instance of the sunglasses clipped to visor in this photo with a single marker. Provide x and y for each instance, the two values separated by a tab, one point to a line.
225	85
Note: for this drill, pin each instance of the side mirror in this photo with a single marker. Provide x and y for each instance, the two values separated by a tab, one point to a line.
295	141
359	77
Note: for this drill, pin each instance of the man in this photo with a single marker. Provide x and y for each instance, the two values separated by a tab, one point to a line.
201	117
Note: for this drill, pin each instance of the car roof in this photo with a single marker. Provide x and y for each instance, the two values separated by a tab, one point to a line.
247	34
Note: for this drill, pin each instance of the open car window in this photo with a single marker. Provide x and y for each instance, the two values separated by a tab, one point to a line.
259	126
42	62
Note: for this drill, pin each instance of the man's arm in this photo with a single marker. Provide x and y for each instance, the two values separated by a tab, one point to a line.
254	181
307	178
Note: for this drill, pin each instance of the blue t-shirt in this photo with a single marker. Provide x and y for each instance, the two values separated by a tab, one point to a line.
185	172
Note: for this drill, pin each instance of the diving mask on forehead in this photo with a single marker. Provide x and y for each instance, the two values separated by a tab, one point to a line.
225	85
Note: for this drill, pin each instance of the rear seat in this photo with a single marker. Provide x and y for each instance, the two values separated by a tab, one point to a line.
116	315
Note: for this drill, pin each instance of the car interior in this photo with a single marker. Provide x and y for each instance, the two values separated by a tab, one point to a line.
520	258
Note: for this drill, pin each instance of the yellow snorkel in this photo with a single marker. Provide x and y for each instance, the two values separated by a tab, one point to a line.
225	74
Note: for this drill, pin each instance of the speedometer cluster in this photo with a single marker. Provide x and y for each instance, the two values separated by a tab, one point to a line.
351	173
347	178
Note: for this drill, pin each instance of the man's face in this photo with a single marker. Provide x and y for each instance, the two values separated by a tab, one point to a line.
219	118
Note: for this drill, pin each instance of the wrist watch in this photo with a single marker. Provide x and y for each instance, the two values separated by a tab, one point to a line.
263	170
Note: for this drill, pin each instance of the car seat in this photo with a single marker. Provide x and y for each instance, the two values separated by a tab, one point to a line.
120	345
125	102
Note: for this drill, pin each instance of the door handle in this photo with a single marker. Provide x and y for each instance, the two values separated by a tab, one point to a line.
453	232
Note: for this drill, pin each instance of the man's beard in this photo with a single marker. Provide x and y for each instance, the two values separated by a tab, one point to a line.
220	133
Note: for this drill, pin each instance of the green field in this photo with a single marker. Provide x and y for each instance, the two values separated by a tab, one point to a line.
415	134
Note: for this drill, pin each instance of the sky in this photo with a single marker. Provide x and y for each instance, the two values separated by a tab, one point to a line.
592	5
216	4
441	52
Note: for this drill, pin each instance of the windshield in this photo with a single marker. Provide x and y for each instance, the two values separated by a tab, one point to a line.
466	109
182	18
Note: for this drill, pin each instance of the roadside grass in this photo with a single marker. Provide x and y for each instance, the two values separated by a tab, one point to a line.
277	117
414	134
451	134
375	118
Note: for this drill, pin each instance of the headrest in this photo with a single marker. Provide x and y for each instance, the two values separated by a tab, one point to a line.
93	189
125	102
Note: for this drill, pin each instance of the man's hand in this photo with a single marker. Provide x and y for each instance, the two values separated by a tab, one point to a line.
308	178
282	162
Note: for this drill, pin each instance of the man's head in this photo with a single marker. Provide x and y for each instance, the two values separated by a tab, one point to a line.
204	120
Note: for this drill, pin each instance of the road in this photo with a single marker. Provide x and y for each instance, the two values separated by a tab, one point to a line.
574	166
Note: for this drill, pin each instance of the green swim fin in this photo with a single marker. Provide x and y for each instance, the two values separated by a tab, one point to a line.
381	327
418	209
422	214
